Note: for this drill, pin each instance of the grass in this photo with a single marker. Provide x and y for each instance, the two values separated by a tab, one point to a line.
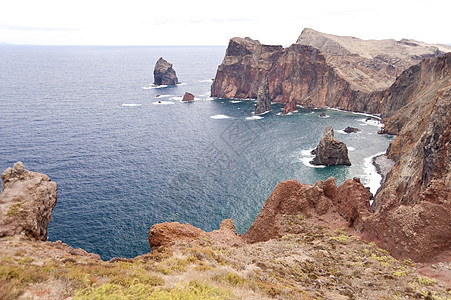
15	209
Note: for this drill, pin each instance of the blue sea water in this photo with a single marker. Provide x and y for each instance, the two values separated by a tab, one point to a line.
89	118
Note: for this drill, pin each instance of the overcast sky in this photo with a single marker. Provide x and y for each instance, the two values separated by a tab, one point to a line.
199	22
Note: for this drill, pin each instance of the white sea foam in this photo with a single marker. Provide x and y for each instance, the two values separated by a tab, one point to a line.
206	80
182	83
220	117
163	103
152	86
177	98
351	148
254	118
130	104
235	101
340	131
305	157
163	96
210	98
372	122
371	178
323	117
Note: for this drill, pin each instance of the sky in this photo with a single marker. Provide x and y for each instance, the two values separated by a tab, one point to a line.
199	22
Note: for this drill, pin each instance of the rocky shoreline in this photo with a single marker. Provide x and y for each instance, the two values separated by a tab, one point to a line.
383	165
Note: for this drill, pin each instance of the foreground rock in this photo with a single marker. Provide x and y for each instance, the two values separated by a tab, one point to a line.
330	151
263	99
188	97
164	74
26	203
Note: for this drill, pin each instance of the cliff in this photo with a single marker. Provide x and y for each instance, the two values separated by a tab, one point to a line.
320	70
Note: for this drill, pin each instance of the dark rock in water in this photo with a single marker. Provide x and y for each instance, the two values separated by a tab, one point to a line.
290	106
164	74
330	151
351	130
188	97
323	114
263	98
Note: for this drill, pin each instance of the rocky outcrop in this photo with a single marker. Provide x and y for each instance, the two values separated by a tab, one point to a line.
330	151
323	203
351	130
263	98
188	97
26	203
164	74
340	72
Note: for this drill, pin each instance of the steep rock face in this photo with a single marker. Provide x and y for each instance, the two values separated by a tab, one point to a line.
26	203
340	72
370	65
330	151
263	98
164	74
323	203
413	206
243	69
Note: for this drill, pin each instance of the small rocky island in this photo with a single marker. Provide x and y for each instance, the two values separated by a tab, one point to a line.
330	151
164	74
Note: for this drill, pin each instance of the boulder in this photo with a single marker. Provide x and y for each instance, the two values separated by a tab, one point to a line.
167	234
188	97
27	200
351	130
164	74
330	151
263	98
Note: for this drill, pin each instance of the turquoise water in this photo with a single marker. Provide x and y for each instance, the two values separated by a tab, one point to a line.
88	118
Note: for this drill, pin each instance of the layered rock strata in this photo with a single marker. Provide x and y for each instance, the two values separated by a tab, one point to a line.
164	74
320	70
26	202
330	151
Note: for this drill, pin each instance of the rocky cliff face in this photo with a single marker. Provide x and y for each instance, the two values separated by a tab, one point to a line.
163	73
26	203
413	205
320	70
330	151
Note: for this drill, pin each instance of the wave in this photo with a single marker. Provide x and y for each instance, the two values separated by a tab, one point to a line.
254	118
351	148
162	96
131	104
305	156
372	122
235	101
340	131
210	98
150	87
323	117
163	102
177	98
206	80
220	117
355	113
371	178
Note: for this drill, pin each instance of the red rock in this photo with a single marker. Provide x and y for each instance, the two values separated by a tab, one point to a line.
168	234
188	97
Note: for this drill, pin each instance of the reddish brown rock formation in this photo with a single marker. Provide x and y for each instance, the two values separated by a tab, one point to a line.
330	151
26	203
188	97
342	72
289	107
164	74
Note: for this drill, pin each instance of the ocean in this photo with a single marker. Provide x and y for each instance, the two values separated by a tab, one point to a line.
126	155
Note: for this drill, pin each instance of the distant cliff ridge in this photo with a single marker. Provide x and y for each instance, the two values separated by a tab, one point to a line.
320	70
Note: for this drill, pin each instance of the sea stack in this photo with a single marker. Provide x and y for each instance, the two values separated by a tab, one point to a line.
263	98
164	74
188	97
289	107
330	151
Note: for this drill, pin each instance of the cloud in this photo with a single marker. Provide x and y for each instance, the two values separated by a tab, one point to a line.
35	28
